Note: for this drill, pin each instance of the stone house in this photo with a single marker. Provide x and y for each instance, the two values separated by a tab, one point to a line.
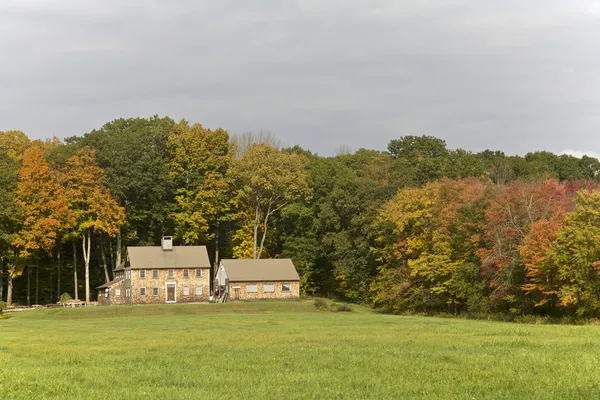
257	280
159	274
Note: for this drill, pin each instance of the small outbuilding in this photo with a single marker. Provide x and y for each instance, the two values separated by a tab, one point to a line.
263	279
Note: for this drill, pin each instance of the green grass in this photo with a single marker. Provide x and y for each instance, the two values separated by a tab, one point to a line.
288	350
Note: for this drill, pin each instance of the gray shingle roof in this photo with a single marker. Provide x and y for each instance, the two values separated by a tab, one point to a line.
151	257
109	284
120	267
281	269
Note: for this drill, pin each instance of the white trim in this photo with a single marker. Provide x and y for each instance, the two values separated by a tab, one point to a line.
236	287
167	292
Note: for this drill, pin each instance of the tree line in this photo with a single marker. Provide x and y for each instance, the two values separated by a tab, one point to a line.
418	227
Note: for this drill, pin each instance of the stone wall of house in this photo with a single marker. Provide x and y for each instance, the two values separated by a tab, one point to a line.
110	298
260	294
161	283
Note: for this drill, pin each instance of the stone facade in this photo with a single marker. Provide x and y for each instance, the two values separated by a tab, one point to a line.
111	298
260	294
178	279
120	295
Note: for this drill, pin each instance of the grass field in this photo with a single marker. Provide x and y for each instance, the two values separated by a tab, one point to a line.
288	350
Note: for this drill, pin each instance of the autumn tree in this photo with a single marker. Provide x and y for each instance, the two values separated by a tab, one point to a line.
427	246
265	180
14	143
509	218
94	208
576	253
199	163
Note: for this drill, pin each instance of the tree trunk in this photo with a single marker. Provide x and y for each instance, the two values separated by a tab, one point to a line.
86	246
104	265
119	244
256	223
58	275
262	241
1	279
75	270
111	260
29	285
9	289
37	281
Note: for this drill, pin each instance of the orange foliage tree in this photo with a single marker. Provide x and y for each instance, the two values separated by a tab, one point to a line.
91	202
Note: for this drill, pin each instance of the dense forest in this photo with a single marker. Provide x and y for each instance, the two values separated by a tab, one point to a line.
416	228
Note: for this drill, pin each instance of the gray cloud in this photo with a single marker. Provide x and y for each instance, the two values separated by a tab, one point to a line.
510	75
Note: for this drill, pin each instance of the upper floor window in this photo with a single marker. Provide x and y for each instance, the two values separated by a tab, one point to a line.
186	273
155	273
171	273
142	274
199	273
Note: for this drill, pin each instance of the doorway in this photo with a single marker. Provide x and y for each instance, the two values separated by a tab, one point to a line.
236	293
171	297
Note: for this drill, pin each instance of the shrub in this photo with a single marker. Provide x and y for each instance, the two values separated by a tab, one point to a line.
65	297
320	304
337	307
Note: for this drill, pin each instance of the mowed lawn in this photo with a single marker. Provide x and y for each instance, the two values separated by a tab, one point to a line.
288	350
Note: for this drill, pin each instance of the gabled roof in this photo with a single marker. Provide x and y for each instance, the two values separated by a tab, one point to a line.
151	257
121	267
281	269
109	284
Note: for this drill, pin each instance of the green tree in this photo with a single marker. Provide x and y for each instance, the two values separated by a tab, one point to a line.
265	180
10	217
199	162
133	154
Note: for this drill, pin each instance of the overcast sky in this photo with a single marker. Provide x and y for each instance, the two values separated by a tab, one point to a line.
515	75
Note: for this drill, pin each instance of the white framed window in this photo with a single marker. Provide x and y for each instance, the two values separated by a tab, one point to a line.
155	273
171	273
117	292
155	291
252	288
286	287
268	288
199	273
199	290
186	290
128	275
142	274
142	291
128	292
186	273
